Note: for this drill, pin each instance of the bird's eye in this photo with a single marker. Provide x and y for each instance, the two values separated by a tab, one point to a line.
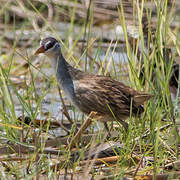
48	45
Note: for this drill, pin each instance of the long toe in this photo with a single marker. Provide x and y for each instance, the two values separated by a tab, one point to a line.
124	124
107	129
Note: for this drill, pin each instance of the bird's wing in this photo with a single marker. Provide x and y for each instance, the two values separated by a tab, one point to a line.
103	94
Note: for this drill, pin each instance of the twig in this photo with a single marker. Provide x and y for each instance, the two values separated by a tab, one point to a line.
148	132
139	164
98	161
65	112
84	126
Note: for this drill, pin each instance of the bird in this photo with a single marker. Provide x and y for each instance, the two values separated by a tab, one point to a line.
110	99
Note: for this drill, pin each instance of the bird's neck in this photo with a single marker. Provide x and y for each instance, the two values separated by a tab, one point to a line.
61	67
64	78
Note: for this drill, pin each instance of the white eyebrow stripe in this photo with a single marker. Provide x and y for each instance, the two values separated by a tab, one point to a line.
41	43
48	43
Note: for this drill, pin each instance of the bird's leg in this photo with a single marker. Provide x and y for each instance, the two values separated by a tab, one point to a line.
107	129
124	124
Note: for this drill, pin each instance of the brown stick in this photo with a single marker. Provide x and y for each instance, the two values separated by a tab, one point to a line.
65	112
99	161
84	126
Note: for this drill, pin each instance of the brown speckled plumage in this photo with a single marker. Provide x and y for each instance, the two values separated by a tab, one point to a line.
103	95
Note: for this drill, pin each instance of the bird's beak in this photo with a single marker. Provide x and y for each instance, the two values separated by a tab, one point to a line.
39	50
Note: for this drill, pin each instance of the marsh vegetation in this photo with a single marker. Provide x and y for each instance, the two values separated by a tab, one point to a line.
135	42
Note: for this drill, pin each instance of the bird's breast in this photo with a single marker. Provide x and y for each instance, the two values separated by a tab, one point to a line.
68	88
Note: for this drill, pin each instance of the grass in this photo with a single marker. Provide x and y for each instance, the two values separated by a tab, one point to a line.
148	147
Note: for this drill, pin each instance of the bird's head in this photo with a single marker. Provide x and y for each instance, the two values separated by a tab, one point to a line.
49	46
